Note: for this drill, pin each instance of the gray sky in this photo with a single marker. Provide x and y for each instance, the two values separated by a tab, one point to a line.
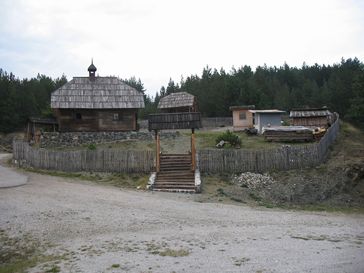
156	40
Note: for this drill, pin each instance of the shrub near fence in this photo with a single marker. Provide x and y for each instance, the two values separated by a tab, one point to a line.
285	158
100	160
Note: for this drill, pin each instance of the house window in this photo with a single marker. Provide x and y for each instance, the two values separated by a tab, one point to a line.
242	115
117	117
78	116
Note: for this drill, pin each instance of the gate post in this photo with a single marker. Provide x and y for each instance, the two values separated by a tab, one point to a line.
193	150
158	149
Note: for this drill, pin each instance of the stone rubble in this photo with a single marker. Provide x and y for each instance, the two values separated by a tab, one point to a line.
253	180
66	139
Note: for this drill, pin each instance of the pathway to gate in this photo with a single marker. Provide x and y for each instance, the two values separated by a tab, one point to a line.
180	146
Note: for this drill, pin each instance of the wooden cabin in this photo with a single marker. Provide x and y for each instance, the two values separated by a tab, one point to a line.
96	104
311	117
266	118
178	102
242	118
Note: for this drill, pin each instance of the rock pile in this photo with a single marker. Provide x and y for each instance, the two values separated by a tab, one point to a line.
253	180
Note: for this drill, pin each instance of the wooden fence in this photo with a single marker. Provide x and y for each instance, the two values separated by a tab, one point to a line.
217	122
209	160
100	160
285	158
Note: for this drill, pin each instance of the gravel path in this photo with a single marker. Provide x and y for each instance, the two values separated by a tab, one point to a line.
96	228
10	178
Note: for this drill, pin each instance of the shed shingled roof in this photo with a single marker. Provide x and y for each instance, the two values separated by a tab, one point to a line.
101	93
308	113
179	99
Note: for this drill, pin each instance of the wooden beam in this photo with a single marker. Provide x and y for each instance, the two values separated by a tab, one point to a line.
158	150
193	150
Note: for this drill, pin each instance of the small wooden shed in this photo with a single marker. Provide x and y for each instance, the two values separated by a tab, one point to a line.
35	127
311	117
178	102
242	117
266	118
96	104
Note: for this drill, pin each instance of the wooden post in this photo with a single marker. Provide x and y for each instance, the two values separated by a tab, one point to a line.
28	131
158	149
193	150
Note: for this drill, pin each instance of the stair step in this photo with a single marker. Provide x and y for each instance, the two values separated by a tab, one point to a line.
174	187
176	190
179	179
175	164
176	155
175	181
176	172
171	168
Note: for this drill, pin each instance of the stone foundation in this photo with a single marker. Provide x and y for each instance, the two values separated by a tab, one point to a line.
73	139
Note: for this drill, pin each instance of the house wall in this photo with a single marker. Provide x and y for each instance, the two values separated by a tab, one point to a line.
95	120
265	120
241	124
310	121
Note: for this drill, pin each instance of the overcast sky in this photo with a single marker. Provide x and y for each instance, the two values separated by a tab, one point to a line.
162	39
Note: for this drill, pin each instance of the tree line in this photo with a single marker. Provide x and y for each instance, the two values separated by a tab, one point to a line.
339	86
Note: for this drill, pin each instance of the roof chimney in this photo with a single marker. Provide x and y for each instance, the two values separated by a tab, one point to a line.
91	71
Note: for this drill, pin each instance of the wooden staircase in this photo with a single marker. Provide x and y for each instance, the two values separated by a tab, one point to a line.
175	174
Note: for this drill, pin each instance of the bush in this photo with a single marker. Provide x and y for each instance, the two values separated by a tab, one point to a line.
229	137
91	146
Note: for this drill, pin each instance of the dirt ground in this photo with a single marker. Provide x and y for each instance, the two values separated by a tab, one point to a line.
58	224
55	224
336	184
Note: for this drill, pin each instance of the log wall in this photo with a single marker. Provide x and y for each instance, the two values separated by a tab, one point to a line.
91	120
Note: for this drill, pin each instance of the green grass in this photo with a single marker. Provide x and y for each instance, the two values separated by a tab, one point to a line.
53	269
114	179
207	139
18	254
174	252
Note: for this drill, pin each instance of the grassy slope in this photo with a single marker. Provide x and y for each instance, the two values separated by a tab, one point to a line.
336	185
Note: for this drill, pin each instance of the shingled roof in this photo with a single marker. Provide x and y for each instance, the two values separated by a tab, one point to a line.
100	93
179	99
308	113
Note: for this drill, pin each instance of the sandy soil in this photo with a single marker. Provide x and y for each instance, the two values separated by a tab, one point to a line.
84	227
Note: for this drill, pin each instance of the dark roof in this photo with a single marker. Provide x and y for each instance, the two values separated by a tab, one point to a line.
42	120
92	67
185	120
288	129
271	111
100	93
174	100
242	107
307	113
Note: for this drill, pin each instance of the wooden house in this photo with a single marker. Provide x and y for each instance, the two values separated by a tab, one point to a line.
266	118
242	118
311	117
178	102
96	104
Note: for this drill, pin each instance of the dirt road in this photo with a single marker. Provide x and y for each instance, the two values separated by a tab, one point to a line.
73	226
